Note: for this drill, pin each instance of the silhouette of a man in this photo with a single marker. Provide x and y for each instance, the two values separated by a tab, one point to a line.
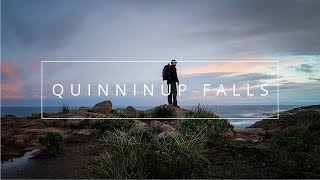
172	81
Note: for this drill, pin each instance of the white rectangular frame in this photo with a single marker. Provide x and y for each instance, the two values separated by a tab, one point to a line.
255	118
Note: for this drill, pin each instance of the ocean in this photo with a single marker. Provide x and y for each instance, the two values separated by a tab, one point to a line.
238	115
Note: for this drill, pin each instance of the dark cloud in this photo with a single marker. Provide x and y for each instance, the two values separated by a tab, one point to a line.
41	24
304	68
316	79
261	26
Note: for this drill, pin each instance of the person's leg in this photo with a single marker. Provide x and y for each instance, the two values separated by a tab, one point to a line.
174	93
170	95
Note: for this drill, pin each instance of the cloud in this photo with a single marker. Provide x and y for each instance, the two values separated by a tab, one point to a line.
41	24
11	86
316	79
19	81
304	68
287	27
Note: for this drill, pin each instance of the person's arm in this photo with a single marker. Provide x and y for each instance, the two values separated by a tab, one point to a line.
177	79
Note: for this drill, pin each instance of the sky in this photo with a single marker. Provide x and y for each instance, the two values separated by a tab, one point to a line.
209	30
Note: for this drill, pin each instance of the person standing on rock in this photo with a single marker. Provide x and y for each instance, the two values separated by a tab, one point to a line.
170	74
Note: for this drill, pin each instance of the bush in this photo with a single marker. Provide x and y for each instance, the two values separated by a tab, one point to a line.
203	112
178	157
145	133
297	152
52	143
213	128
128	155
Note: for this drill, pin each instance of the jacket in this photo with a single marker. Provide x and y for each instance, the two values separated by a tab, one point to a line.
173	75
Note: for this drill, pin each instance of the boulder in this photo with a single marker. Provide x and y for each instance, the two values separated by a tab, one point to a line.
20	143
131	111
156	125
104	107
162	127
167	128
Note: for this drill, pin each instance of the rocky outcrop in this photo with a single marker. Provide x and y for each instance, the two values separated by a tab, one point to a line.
104	107
131	111
168	111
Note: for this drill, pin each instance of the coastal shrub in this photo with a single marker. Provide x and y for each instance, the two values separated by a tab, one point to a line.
297	151
143	114
213	129
64	109
177	157
128	155
164	111
203	112
51	142
110	124
145	133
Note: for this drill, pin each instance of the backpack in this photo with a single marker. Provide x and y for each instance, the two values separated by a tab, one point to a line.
166	72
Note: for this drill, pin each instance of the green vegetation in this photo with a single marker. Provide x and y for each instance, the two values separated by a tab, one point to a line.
164	111
139	152
297	151
197	147
129	155
107	124
52	143
144	133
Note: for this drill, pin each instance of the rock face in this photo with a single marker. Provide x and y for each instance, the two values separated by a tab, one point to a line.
104	107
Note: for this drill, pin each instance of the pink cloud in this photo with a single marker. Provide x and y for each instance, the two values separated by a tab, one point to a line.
11	86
